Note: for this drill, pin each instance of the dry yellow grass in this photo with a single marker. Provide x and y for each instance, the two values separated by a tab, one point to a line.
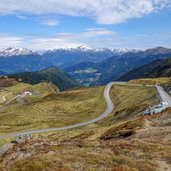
54	110
42	90
84	148
152	81
130	102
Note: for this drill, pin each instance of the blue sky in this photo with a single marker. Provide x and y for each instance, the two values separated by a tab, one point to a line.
50	24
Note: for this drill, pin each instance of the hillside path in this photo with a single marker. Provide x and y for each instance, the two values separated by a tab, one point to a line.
109	109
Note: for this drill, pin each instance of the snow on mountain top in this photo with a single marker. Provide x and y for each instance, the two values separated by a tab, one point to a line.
87	49
84	48
9	51
123	50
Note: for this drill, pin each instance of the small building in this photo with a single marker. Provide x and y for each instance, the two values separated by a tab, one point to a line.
156	109
28	93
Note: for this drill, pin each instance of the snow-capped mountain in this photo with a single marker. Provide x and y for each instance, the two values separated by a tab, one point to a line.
114	50
65	57
9	51
41	52
14	60
124	50
115	66
107	64
85	48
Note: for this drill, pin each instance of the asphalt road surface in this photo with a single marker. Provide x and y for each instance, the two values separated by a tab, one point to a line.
108	110
163	95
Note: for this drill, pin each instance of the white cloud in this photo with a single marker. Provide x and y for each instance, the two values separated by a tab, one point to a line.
90	37
13	41
103	11
49	22
89	33
52	43
22	17
60	40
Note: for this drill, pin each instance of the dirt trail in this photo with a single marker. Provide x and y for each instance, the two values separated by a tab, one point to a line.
4	98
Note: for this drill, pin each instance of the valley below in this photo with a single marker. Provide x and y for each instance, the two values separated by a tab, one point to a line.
124	140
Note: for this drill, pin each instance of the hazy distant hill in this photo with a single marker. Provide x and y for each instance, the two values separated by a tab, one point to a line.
2	73
58	77
63	58
93	66
113	68
158	68
13	60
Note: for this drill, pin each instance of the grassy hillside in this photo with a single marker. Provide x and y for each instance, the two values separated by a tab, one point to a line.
39	91
51	109
110	144
152	81
130	102
52	74
159	68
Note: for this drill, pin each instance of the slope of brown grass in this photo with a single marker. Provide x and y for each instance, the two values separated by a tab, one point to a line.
7	82
100	146
152	81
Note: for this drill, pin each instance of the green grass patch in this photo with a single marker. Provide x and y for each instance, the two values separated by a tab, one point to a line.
55	110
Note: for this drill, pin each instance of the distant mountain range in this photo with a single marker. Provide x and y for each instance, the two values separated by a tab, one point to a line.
158	68
58	77
63	58
9	51
2	73
89	66
89	73
13	60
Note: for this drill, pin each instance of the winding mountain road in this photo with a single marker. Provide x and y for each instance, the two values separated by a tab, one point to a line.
108	110
110	106
163	95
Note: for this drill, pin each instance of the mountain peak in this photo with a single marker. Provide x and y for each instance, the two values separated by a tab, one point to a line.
158	50
10	51
84	48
